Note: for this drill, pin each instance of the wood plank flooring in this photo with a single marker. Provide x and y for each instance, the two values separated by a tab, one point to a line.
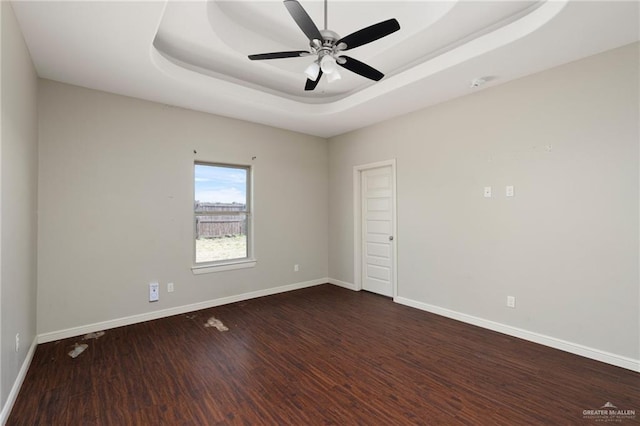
318	356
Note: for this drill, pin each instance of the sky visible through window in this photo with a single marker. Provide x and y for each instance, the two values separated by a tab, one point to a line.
214	184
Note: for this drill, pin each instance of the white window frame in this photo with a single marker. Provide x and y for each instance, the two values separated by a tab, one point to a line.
227	264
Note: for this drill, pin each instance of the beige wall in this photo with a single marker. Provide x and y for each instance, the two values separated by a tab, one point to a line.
18	180
566	245
116	205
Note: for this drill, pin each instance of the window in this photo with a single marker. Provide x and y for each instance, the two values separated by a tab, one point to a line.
222	214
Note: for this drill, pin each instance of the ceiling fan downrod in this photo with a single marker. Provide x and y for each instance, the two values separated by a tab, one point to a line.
326	25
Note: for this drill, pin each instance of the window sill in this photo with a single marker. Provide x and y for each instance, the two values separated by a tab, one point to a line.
219	267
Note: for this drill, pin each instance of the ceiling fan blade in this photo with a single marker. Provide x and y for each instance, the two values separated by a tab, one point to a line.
312	84
369	34
278	55
361	68
303	20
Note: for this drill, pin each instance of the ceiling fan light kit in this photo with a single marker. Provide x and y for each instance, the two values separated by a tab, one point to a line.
328	64
327	46
333	76
312	71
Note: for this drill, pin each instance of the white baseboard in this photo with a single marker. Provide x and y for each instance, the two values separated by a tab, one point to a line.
343	284
15	389
563	345
134	319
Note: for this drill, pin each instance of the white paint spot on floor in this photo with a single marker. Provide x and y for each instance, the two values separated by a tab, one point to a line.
78	349
214	322
96	335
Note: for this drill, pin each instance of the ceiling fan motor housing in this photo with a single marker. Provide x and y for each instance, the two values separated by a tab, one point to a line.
327	46
329	37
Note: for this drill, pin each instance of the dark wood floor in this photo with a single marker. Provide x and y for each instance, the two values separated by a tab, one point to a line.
322	355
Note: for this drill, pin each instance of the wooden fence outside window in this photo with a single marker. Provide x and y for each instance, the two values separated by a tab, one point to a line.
220	225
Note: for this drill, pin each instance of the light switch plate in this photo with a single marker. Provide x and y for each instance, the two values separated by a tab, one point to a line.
509	191
487	192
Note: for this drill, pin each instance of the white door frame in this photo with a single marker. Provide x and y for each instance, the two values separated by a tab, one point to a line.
357	223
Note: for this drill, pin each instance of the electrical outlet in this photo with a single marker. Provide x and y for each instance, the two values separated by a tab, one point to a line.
17	342
169	287
154	292
511	301
509	191
296	267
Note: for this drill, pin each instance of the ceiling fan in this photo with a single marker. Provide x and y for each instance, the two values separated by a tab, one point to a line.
328	46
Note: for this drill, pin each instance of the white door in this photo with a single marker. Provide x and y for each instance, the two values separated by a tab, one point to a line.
377	230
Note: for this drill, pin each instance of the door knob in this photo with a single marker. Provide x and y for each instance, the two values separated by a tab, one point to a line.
390	237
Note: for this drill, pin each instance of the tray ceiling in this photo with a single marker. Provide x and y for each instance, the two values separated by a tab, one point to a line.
194	54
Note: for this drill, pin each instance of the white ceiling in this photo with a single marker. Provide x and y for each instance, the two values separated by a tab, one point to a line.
194	54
